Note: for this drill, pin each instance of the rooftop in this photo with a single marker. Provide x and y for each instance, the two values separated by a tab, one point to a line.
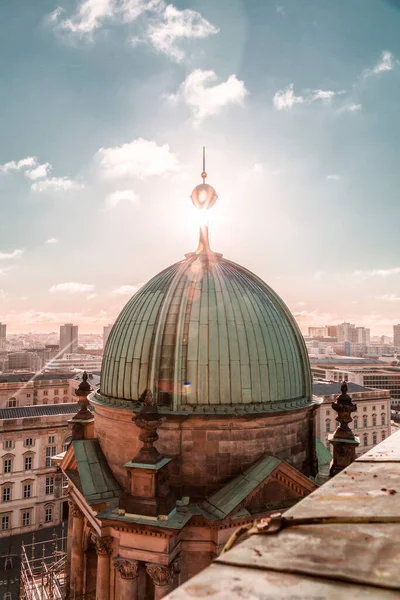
40	410
323	388
346	530
25	377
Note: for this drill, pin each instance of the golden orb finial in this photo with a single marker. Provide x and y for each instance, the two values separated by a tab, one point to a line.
204	195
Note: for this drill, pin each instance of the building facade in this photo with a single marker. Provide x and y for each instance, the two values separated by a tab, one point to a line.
73	362
27	389
371	422
106	333
68	338
396	336
32	490
3	336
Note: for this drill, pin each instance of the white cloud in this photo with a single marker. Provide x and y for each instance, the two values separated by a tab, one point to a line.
4	270
3	294
325	95
56	184
205	99
333	177
127	290
389	298
90	15
112	200
39	171
91	296
285	99
12	165
138	158
377	273
71	287
385	63
52	241
178	25
319	275
132	9
351	108
11	255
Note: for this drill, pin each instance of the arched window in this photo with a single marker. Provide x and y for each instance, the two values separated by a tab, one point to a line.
355	422
374	439
65	399
66	443
56	400
328	425
374	420
12	403
365	421
365	439
383	419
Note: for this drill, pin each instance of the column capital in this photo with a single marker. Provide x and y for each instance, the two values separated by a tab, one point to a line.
127	568
161	574
103	545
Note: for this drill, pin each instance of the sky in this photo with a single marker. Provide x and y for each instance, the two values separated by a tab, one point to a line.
105	106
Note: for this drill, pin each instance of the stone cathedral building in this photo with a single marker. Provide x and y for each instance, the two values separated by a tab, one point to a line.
203	422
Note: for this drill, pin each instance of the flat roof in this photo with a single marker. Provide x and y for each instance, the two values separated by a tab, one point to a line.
325	388
39	410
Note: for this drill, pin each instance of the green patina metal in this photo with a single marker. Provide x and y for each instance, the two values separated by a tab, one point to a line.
94	478
206	332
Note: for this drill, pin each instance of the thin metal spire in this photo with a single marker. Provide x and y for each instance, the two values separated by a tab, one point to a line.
204	174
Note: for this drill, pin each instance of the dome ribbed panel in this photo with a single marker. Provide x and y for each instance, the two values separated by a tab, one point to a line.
208	333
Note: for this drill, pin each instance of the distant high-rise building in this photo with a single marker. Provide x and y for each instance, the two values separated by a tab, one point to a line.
362	335
345	332
68	338
332	330
317	332
396	336
3	334
106	333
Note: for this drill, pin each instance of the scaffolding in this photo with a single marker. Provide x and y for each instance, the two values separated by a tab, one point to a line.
43	569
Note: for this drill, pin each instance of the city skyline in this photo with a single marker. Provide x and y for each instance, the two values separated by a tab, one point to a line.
108	105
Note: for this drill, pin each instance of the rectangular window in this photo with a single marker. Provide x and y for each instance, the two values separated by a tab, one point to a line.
12	403
28	463
55	392
51	439
28	442
65	392
5	522
49	485
28	395
7	465
27	490
26	519
49	515
50	451
8	445
6	494
45	393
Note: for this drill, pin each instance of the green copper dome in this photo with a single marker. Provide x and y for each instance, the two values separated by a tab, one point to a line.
207	332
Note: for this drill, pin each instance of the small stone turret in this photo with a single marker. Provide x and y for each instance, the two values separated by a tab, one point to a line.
343	440
83	422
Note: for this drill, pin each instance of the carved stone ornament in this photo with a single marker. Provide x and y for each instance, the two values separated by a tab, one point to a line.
160	574
104	545
75	510
128	569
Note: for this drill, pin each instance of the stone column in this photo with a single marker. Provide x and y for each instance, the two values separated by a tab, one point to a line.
128	571
76	575
103	549
163	578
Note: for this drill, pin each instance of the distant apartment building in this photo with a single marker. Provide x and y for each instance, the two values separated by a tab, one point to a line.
68	338
371	422
3	336
106	333
26	389
374	374
73	362
348	332
317	332
32	494
396	336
